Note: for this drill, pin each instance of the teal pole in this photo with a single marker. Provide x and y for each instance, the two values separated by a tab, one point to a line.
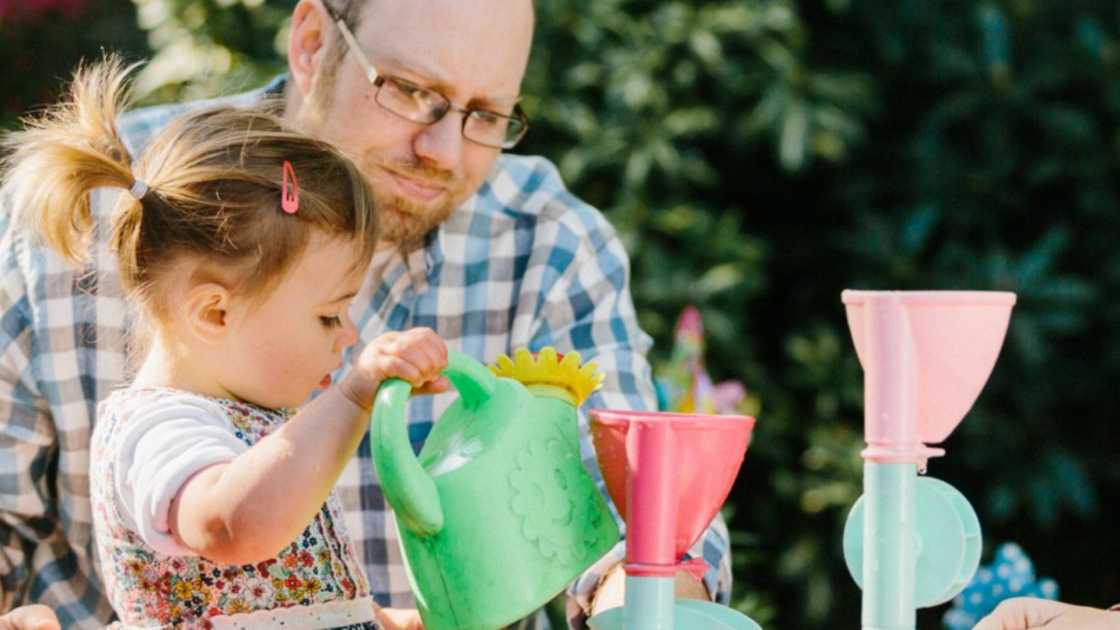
650	603
890	546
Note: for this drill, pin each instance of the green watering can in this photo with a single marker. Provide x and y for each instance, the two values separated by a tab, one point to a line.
497	515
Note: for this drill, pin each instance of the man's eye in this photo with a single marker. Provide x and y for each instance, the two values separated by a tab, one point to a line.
331	322
483	118
408	89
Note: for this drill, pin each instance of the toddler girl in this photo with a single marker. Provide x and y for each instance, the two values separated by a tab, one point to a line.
242	244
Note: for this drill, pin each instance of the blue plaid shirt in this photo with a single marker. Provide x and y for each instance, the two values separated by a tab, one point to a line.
523	263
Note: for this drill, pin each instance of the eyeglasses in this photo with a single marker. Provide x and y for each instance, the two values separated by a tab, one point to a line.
426	106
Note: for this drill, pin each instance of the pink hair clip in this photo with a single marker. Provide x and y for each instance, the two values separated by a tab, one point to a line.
289	193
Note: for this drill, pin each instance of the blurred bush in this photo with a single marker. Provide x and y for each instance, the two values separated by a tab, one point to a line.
760	156
207	47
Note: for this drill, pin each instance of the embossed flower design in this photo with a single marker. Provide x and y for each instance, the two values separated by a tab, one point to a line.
554	502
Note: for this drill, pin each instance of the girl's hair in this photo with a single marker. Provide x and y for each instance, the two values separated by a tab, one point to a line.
214	182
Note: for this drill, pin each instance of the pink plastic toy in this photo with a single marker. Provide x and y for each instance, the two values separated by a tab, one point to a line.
911	541
668	473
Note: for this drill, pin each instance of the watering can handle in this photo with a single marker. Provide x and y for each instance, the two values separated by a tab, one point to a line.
407	486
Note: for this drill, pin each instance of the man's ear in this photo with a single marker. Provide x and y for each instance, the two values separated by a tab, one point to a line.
306	42
206	311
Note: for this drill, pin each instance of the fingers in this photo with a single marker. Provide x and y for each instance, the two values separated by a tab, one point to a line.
400	619
441	384
32	617
417	356
1023	613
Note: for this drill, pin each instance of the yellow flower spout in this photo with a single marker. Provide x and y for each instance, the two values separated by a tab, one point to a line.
547	374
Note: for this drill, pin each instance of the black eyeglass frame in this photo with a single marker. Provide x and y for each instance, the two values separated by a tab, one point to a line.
517	124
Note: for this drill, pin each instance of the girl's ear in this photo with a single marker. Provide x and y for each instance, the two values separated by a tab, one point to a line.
206	311
306	42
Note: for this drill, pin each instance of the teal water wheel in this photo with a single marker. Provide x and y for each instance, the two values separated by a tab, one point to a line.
948	542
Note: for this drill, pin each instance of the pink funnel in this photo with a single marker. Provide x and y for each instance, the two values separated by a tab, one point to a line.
668	474
926	355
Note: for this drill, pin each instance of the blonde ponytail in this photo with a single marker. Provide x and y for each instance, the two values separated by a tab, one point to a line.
211	189
51	165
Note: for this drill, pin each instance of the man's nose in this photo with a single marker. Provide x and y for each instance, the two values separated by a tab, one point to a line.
440	144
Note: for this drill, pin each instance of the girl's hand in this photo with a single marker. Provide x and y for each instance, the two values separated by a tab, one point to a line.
417	356
400	619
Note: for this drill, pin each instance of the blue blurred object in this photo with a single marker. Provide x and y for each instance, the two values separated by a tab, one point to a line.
1011	574
664	394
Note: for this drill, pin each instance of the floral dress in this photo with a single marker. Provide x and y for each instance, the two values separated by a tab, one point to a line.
313	584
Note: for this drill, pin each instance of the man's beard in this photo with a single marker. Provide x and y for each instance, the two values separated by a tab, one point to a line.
403	220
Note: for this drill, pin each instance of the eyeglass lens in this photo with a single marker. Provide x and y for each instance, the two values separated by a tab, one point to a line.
423	105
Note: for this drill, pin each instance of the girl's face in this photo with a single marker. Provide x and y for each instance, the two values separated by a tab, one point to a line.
284	348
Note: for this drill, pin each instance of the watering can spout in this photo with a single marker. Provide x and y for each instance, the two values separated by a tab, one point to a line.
558	381
548	374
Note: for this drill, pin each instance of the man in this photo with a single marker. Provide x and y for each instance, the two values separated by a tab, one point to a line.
489	250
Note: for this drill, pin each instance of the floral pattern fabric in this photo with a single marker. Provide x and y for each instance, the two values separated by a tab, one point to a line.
148	588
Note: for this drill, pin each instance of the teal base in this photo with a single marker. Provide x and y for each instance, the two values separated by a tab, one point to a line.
650	605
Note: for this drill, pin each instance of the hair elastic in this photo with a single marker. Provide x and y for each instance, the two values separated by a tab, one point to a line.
139	189
289	193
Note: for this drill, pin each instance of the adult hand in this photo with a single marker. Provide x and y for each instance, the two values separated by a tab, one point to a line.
32	617
397	619
1024	613
611	592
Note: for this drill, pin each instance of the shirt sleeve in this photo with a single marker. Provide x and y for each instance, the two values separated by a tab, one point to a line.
157	451
27	436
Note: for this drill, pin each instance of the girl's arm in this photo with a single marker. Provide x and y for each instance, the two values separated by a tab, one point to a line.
248	509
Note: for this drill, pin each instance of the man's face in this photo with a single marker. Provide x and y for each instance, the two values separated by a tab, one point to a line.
474	52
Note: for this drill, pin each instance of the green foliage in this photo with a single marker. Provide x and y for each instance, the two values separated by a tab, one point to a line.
760	156
802	149
207	47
